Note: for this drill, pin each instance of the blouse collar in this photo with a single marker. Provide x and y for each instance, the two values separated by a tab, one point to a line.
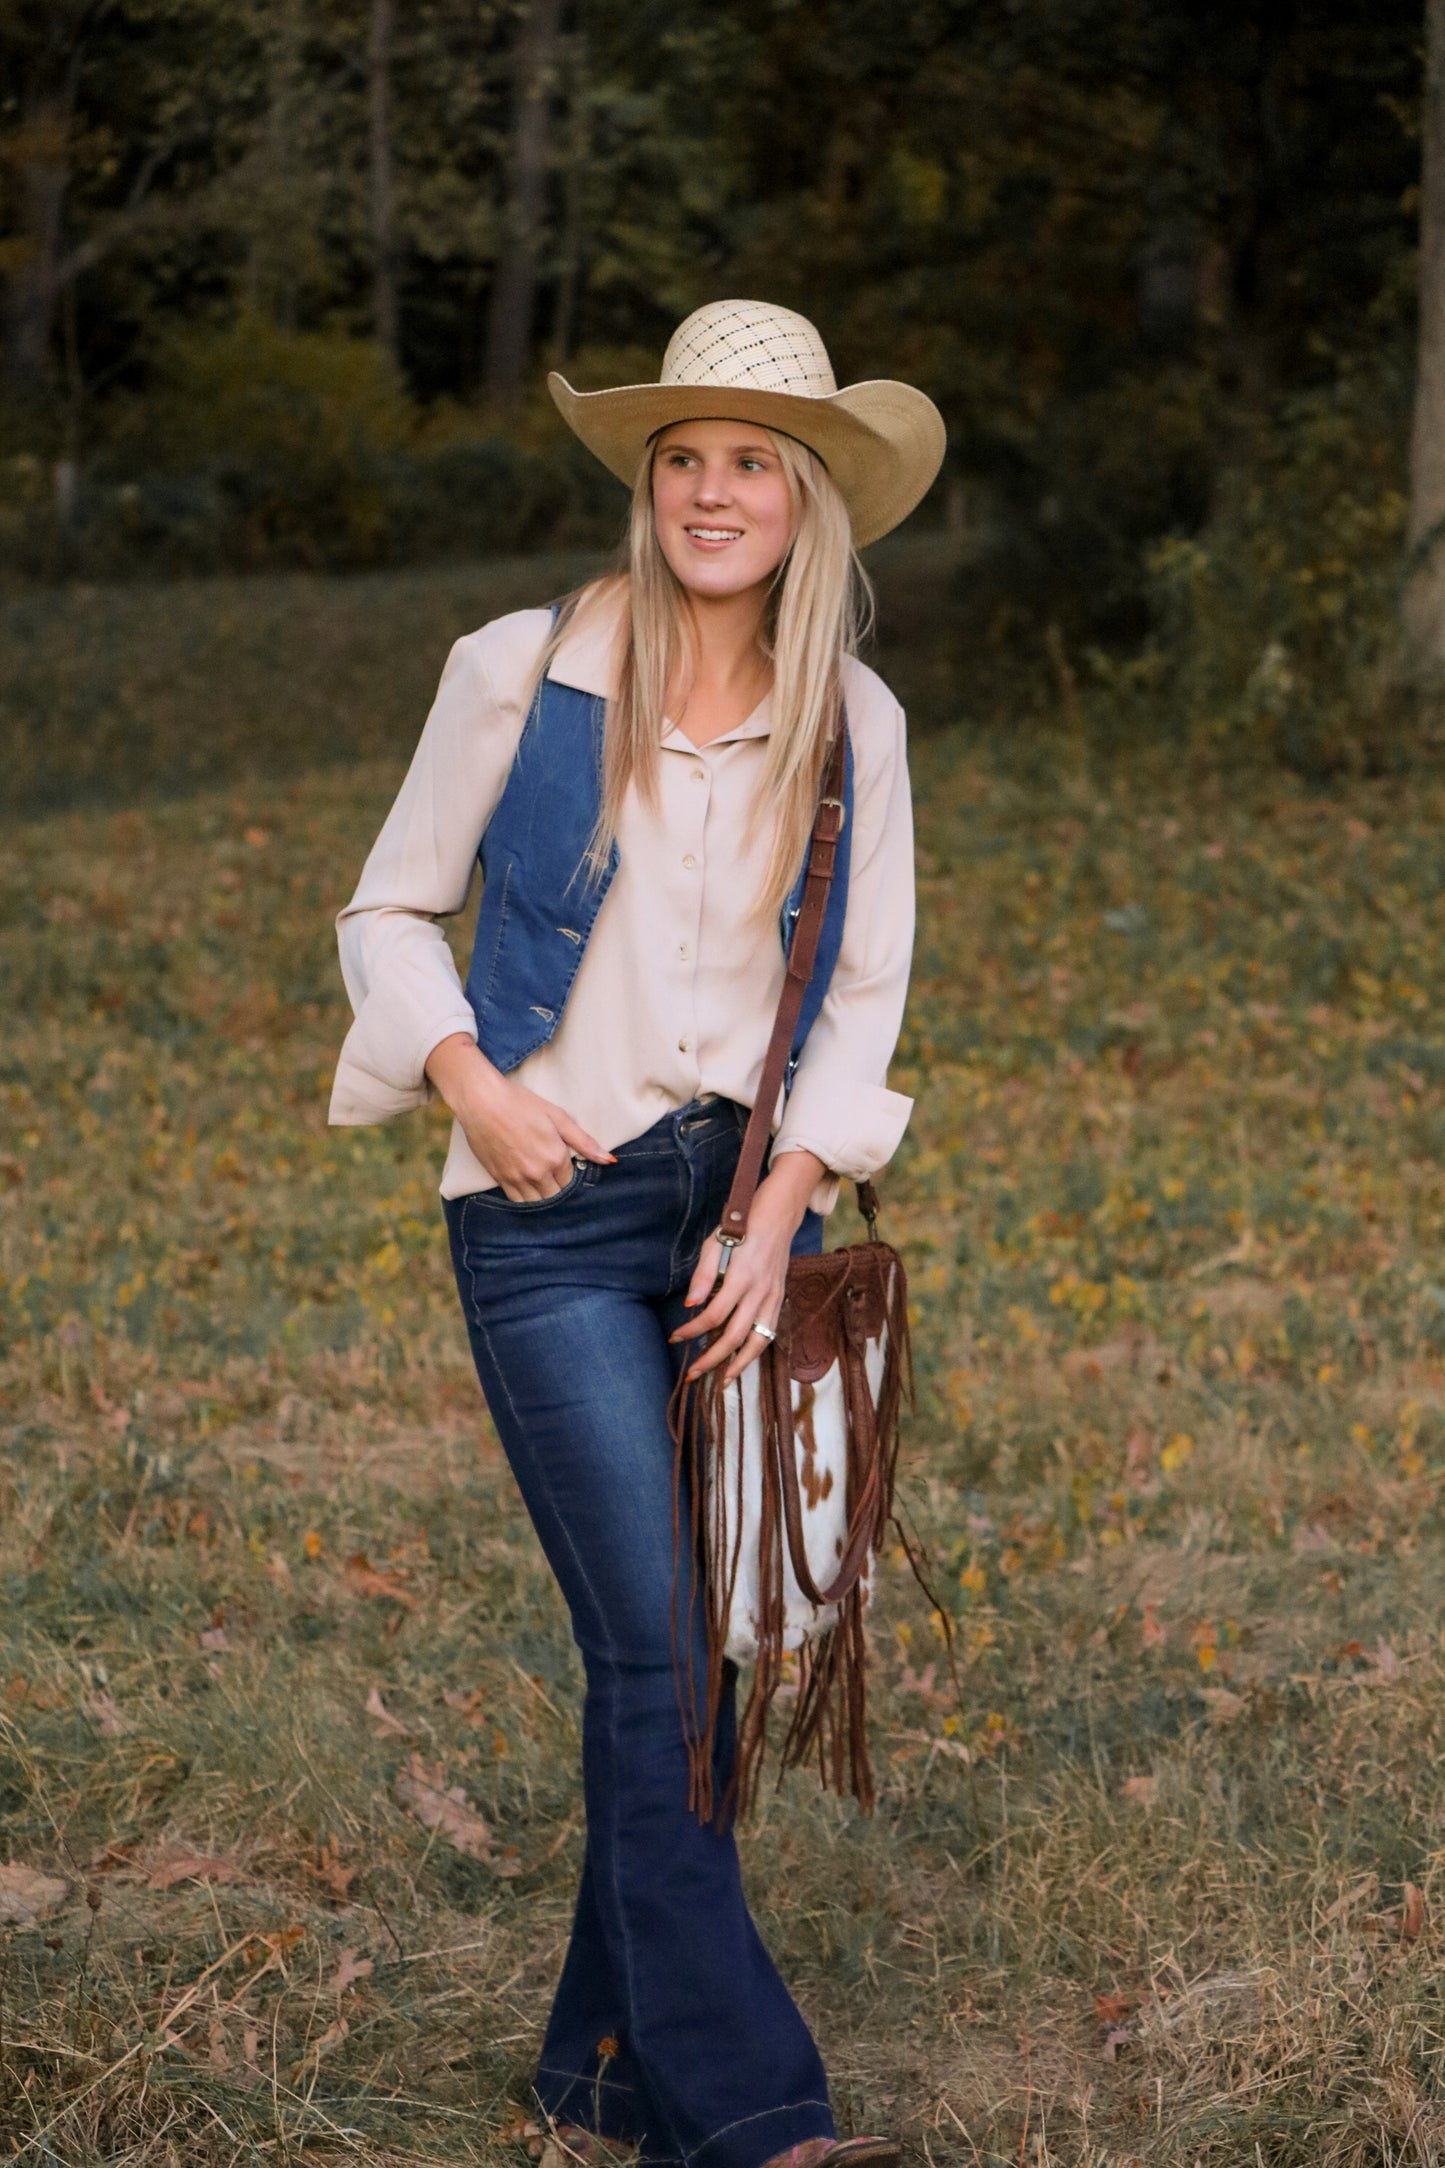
587	660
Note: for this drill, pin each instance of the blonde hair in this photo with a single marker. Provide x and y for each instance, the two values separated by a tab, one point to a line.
819	608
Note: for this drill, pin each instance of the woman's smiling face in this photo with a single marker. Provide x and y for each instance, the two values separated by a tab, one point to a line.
723	508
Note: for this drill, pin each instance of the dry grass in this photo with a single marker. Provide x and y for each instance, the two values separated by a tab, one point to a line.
1162	1885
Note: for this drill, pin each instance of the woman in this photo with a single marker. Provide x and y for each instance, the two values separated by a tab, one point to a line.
637	773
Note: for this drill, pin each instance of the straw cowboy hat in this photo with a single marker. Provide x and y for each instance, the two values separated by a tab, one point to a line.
750	361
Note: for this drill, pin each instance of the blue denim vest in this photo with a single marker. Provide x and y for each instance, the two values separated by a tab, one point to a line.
538	905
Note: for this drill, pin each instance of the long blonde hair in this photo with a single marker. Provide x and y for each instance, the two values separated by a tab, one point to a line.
819	609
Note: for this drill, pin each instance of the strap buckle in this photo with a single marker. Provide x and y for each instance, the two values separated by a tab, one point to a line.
868	1206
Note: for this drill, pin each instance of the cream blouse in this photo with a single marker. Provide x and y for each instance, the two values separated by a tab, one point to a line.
675	993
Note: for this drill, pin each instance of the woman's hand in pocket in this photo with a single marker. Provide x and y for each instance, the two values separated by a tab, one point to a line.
528	1145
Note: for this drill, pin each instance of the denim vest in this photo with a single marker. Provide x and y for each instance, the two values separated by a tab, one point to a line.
538	905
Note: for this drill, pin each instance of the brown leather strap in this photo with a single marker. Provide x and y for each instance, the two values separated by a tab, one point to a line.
822	856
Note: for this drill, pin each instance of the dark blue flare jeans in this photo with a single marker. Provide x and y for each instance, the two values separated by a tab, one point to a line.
569	1303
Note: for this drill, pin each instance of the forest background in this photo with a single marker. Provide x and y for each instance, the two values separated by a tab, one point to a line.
282	276
289	1818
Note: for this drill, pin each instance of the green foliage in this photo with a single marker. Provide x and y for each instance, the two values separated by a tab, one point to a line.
290	429
1103	242
278	396
1275	624
255	447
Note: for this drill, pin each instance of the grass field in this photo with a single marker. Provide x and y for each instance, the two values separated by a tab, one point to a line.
1161	1882
112	692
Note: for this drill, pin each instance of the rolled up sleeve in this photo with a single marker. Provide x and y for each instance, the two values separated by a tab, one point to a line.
403	984
840	1106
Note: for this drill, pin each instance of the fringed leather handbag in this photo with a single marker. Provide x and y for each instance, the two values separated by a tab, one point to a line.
790	1469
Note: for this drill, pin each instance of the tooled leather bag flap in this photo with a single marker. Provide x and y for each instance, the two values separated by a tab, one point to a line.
827	1295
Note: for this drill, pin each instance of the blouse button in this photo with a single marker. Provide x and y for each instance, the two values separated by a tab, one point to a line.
682	1045
689	861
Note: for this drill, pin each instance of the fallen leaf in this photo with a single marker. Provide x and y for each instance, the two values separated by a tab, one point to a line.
1138	1456
350	1966
367	1580
107	1718
1386	1659
446	1810
1141	1789
192	1867
327	1867
1112	2009
214	1640
278	1940
1151	1631
919	1682
1412	1916
1179	1449
377	1710
469	1704
1114	2039
1311	1536
1223	1705
333	2036
107	1857
277	1943
27	1897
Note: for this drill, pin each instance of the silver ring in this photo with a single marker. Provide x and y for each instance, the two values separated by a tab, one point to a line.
766	1331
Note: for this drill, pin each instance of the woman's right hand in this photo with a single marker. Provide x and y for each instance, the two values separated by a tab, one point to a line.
525	1142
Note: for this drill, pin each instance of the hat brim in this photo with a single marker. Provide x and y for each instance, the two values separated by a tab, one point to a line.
882	442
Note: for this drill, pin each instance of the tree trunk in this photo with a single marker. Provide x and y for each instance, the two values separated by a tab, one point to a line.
385	315
32	283
569	255
1424	592
278	207
514	284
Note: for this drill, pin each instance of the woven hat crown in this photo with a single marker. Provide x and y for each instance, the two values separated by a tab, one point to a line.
750	361
752	344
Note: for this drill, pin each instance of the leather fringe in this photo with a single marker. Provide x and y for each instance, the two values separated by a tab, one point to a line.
829	1719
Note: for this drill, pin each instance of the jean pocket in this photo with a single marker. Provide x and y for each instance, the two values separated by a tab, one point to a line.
584	1174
